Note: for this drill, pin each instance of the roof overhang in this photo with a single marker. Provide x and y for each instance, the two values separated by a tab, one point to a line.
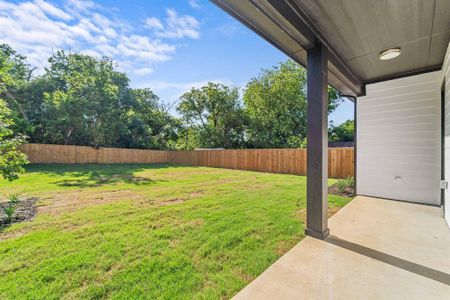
355	32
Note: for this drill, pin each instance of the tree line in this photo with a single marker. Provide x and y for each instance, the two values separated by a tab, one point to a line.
82	100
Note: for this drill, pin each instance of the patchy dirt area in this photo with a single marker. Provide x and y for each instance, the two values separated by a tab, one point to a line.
347	191
172	201
75	200
23	210
192	195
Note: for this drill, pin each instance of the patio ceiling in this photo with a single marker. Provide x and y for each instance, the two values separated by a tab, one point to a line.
355	32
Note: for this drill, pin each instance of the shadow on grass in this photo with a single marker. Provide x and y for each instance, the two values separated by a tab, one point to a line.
94	175
95	179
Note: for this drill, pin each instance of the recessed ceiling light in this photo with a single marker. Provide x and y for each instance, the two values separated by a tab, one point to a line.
389	53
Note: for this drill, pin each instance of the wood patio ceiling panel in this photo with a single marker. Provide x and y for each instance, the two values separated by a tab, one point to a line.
356	31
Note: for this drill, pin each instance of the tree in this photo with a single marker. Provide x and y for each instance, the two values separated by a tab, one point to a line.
82	100
31	99
11	159
216	114
276	105
15	74
148	123
18	69
342	133
86	100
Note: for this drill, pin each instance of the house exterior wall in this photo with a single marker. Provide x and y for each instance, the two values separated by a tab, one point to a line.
445	80
399	139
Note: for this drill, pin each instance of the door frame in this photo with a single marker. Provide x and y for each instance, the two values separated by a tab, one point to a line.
443	142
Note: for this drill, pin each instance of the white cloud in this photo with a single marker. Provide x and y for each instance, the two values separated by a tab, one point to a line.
80	6
143	71
230	28
37	28
91	52
53	10
194	4
144	48
175	26
154	23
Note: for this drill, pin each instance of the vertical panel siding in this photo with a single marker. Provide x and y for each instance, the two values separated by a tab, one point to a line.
398	135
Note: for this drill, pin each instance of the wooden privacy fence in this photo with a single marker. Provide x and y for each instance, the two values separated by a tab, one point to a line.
287	161
67	154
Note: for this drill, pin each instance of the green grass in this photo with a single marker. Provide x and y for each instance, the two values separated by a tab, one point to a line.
148	231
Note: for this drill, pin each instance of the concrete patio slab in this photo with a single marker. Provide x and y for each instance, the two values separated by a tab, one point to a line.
378	249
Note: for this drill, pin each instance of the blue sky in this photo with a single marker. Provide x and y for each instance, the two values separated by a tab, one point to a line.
168	46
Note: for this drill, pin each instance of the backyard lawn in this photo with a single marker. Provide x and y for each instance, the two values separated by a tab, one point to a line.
148	231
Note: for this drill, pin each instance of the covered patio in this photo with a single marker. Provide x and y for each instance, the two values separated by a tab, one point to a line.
392	59
378	249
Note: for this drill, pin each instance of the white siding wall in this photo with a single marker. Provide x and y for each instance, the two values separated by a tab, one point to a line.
446	80
398	139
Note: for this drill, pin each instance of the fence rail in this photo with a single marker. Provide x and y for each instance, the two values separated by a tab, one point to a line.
287	161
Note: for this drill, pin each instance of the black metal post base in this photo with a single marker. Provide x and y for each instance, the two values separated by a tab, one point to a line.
316	234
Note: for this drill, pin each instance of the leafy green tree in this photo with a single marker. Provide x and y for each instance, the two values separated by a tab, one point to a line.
31	98
148	123
86	100
18	69
276	105
215	113
18	73
11	159
82	100
188	138
342	133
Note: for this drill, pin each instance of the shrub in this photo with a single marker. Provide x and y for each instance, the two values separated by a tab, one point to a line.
10	209
14	198
350	181
343	184
9	212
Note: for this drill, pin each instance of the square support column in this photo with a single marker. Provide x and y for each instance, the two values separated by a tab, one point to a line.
317	150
